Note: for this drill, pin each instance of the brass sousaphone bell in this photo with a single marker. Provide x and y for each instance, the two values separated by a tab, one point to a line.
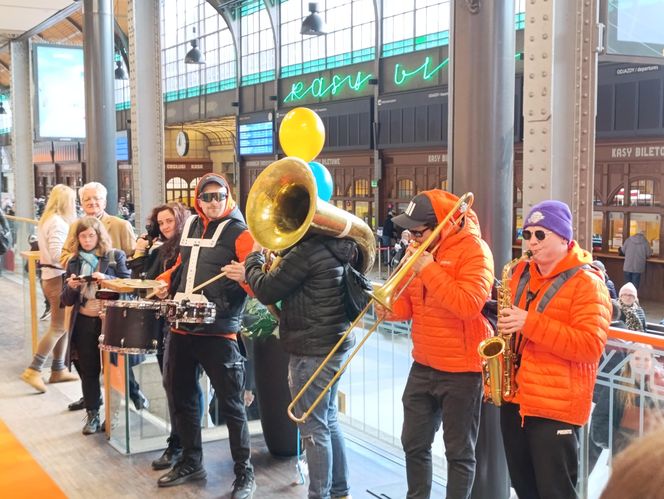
283	206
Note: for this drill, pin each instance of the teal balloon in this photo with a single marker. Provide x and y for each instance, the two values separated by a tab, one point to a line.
324	182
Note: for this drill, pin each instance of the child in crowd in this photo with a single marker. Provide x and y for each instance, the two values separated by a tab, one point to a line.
631	312
93	260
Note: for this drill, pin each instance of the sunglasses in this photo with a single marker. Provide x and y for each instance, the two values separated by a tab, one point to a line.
540	235
208	197
419	233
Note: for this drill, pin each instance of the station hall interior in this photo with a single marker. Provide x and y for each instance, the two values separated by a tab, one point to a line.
516	101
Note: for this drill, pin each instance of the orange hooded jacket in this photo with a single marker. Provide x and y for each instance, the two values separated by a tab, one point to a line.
446	298
562	345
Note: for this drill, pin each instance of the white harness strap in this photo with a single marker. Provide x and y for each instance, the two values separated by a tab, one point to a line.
196	244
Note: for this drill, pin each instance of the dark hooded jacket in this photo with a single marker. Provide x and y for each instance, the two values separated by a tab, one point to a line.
234	243
308	282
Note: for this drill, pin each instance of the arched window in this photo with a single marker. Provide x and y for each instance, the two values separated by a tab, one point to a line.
122	95
182	22
405	188
597	200
177	189
351	38
257	43
410	25
642	193
361	188
618	199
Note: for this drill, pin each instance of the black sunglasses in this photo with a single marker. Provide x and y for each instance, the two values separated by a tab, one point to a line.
419	233
539	234
208	197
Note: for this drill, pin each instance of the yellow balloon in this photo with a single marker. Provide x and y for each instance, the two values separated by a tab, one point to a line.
302	134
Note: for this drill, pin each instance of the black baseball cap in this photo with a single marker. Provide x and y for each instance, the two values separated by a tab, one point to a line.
419	212
212	178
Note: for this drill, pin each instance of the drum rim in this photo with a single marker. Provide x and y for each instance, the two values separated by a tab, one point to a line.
137	304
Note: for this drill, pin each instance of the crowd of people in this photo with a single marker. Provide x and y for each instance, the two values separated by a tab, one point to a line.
562	303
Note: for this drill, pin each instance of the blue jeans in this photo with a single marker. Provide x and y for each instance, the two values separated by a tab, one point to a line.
429	397
633	277
321	435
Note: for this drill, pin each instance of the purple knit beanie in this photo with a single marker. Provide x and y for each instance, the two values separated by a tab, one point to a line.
552	215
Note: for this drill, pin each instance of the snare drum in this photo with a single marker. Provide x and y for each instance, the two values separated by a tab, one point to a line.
189	312
131	326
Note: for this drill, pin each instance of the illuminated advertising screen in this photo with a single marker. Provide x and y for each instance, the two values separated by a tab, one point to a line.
256	138
121	146
60	92
634	27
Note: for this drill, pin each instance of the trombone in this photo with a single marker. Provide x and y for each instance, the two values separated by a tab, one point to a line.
386	295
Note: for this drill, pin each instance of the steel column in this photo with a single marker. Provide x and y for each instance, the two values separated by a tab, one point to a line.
481	151
22	139
559	148
147	112
100	118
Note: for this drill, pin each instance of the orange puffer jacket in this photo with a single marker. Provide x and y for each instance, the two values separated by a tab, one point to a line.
446	298
562	345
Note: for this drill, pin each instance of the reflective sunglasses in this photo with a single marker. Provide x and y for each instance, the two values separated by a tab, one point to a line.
540	235
419	233
208	197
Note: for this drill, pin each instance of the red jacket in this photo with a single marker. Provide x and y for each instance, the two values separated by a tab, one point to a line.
446	298
563	344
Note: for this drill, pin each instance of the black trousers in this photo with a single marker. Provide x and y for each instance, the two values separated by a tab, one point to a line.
542	456
224	365
85	341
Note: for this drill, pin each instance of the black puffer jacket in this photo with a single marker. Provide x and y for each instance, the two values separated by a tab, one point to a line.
308	281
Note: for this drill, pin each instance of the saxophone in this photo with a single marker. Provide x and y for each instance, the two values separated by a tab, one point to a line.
498	354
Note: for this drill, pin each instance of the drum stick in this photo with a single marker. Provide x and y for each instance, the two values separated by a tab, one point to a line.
209	281
200	286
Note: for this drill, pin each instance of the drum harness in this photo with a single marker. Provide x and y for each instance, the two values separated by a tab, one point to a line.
196	244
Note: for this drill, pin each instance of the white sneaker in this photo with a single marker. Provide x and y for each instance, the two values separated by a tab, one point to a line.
45	315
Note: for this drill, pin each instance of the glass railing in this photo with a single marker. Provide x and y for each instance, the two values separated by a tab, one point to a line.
628	401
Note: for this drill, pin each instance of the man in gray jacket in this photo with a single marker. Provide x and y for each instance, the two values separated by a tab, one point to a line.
636	250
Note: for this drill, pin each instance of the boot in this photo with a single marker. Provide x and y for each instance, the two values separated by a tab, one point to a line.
61	376
34	379
171	455
92	424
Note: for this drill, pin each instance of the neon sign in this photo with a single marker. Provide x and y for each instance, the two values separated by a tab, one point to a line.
401	75
319	87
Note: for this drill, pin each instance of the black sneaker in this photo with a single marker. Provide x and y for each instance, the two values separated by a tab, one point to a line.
171	455
244	486
182	472
80	404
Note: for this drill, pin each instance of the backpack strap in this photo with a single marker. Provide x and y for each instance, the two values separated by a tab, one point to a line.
558	282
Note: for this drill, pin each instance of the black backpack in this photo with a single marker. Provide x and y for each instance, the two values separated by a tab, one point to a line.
356	291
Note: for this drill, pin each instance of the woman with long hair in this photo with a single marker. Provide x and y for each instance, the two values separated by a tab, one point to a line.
634	408
59	213
93	260
157	251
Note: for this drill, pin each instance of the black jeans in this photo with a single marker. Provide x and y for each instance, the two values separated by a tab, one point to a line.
224	365
85	341
542	456
431	395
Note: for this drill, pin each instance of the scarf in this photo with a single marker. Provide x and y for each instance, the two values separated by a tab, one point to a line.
89	263
632	320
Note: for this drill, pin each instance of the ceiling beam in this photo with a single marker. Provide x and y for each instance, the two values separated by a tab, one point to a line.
75	24
51	21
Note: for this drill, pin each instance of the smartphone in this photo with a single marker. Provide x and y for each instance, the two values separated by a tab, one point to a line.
84	278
